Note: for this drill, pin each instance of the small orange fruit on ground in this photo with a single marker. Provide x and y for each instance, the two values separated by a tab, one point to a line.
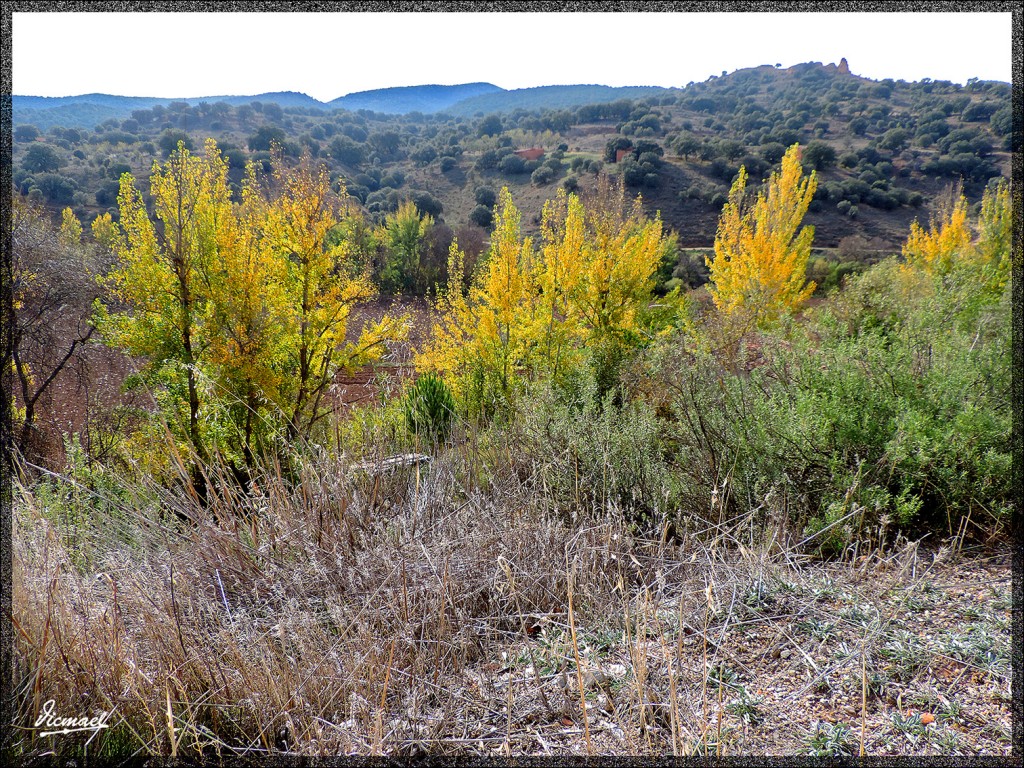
927	717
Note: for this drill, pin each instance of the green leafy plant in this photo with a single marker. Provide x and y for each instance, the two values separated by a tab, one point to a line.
746	707
429	407
831	740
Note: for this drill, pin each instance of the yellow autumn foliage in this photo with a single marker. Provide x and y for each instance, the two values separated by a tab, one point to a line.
70	228
950	243
948	236
241	307
535	311
486	338
759	267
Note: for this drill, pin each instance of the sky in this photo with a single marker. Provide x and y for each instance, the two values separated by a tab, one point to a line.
329	55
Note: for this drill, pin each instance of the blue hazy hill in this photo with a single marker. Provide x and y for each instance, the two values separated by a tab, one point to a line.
91	109
415	98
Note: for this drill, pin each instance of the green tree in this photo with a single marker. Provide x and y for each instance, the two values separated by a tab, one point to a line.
26	133
489	126
161	274
613	146
57	189
403	234
386	143
686	144
40	158
819	155
265	137
485	196
170	139
482	216
346	151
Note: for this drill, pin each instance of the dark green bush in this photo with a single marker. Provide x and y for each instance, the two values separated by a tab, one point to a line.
482	216
485	196
541	176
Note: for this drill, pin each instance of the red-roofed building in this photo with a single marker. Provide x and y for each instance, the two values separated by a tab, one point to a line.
533	153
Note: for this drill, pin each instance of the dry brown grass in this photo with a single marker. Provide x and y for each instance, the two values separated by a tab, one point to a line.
429	612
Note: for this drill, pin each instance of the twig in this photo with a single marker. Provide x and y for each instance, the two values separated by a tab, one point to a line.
576	653
223	597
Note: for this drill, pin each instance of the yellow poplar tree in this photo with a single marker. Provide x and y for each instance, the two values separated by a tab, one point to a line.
948	237
241	308
949	243
598	272
70	228
760	262
603	259
995	235
163	277
320	289
249	309
484	339
105	231
529	312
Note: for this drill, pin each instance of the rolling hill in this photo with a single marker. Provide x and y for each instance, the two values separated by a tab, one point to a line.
417	98
885	151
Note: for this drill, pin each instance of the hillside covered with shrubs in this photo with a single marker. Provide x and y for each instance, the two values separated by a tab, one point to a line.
883	149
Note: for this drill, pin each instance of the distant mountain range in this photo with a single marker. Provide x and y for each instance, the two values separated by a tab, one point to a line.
414	98
468	99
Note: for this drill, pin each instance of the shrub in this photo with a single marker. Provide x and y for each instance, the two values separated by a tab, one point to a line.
482	216
345	150
56	189
890	408
424	155
428	204
542	176
106	195
41	158
485	196
512	165
429	407
818	155
26	133
593	455
170	139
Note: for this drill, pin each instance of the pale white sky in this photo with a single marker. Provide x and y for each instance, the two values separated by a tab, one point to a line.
330	55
